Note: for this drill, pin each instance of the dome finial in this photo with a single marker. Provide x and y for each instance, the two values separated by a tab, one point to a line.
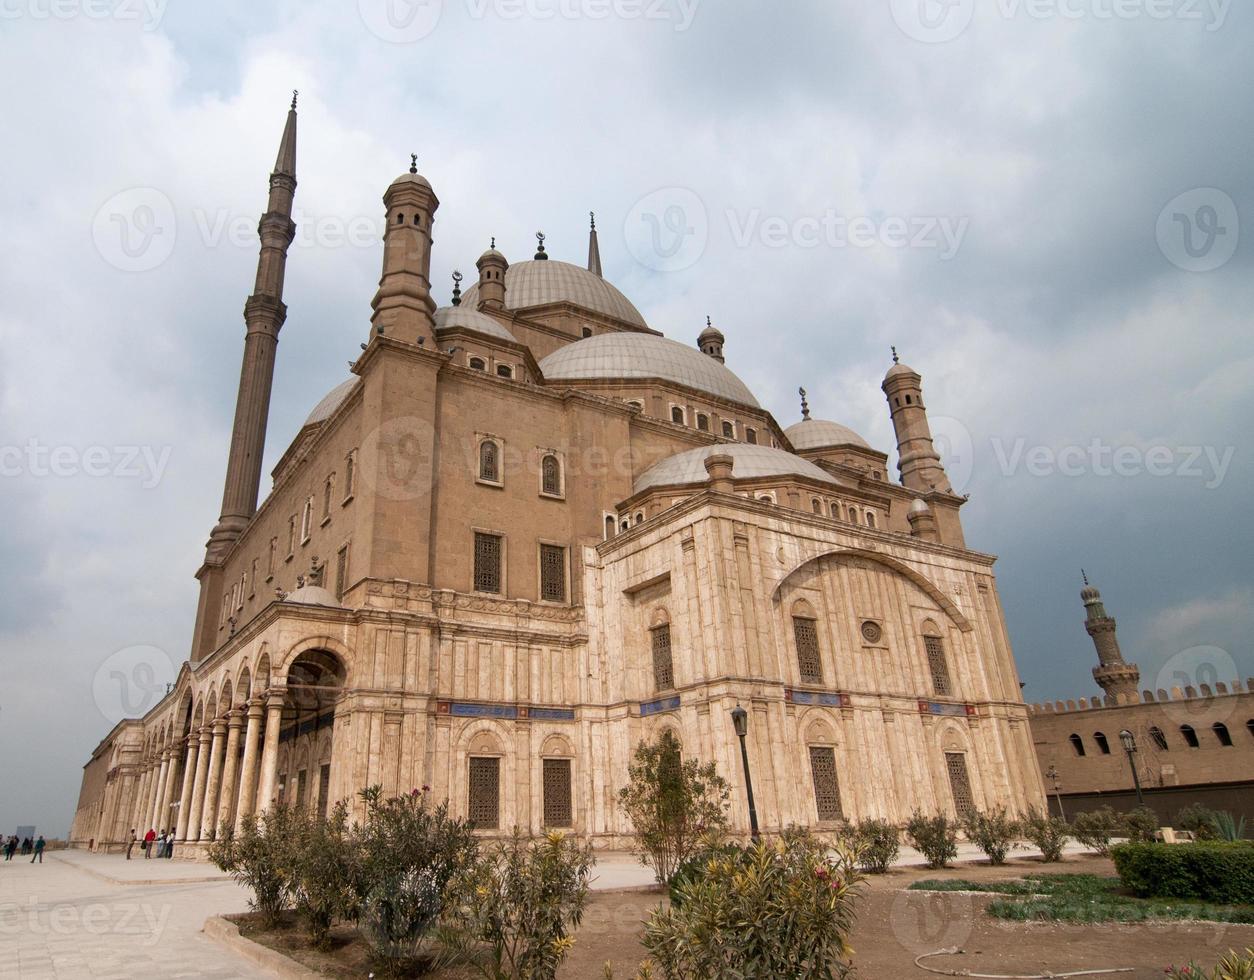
494	241
805	405
457	288
413	163
1084	575
540	254
593	216
895	359
707	321
294	94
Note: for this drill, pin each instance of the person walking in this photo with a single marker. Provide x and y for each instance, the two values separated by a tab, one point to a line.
130	844
39	850
10	846
148	839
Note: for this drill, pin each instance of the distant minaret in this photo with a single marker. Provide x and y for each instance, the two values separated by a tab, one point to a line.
264	313
403	307
1112	674
711	341
492	266
917	459
594	250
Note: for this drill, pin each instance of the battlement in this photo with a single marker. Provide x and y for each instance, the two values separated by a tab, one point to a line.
1203	692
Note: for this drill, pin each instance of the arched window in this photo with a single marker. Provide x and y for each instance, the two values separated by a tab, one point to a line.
729	430
703	422
677	415
870	518
489	461
400	217
1159	738
639	518
1102	744
626	525
587	331
551	476
834	506
1221	733
853	515
478	364
937	665
766	498
504	371
1077	743
1190	736
806	635
609	526
663	667
817	505
751	436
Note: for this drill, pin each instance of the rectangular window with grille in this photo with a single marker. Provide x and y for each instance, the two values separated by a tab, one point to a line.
301	780
806	633
324	789
350	471
341	572
959	784
484	808
552	573
663	668
557	810
937	665
487	562
826	787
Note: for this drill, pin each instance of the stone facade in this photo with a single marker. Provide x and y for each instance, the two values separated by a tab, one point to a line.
529	532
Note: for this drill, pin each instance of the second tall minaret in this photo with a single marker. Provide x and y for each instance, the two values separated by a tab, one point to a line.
1113	674
264	313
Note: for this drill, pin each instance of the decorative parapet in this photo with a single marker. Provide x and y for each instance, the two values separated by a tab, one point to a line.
1203	692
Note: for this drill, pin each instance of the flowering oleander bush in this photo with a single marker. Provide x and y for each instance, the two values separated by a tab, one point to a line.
259	858
1234	966
319	865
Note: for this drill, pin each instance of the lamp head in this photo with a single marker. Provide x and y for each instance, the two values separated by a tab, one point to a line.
740	719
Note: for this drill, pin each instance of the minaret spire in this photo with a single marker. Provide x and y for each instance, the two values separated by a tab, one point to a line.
594	250
1113	674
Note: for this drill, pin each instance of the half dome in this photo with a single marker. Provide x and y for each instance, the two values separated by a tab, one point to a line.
534	283
642	355
448	317
820	433
749	462
330	402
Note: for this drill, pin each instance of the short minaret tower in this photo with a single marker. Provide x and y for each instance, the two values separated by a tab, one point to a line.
917	459
492	266
711	341
264	313
594	250
403	307
1113	675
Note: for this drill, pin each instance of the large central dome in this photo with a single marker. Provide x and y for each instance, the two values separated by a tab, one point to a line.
534	283
611	356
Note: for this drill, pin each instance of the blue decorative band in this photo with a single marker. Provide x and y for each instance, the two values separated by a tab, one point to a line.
661	704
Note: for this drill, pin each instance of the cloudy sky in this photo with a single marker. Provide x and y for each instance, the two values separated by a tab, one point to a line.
1048	207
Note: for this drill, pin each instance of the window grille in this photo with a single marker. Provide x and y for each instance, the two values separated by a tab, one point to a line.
552	573
557	808
550	475
663	669
751	436
826	786
484	807
729	430
341	571
487	562
805	632
936	665
959	784
489	461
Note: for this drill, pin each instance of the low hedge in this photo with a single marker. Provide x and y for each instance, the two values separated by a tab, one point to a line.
1212	871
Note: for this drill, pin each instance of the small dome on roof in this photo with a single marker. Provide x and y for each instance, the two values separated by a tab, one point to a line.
330	402
710	333
490	255
918	506
535	283
312	595
899	368
414	178
448	317
820	433
748	462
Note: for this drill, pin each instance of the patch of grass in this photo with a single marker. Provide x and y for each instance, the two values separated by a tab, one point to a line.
1084	898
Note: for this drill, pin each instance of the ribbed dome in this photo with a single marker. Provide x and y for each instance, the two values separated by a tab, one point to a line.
820	433
534	283
749	462
447	317
330	402
642	355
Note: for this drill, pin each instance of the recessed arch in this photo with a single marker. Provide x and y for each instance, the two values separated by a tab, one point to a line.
557	745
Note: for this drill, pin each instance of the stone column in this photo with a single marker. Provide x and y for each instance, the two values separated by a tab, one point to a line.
226	799
189	778
168	794
248	769
270	751
208	824
198	786
159	790
139	805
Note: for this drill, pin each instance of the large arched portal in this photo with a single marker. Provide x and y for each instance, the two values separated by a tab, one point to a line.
314	685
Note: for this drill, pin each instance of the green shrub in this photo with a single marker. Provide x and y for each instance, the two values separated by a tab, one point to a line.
1226	827
784	911
1212	871
1096	828
259	858
1048	833
1140	825
1234	966
319	869
696	865
1197	820
514	909
994	833
673	804
406	852
877	844
936	838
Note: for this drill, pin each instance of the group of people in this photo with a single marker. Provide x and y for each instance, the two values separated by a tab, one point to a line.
162	843
35	848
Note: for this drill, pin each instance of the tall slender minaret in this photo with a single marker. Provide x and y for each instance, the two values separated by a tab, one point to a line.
917	459
264	313
594	250
1112	673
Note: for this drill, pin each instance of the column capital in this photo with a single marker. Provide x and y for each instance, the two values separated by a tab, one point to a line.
206	734
276	697
235	718
256	708
219	727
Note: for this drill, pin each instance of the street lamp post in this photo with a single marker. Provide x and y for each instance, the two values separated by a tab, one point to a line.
740	719
1052	775
1129	746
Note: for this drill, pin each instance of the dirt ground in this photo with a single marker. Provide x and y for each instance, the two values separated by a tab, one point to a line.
894	926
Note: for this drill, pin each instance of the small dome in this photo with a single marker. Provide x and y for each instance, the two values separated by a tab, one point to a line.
918	506
711	333
448	317
490	255
820	433
749	462
643	355
1089	592
405	179
330	402
312	595
535	283
899	368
